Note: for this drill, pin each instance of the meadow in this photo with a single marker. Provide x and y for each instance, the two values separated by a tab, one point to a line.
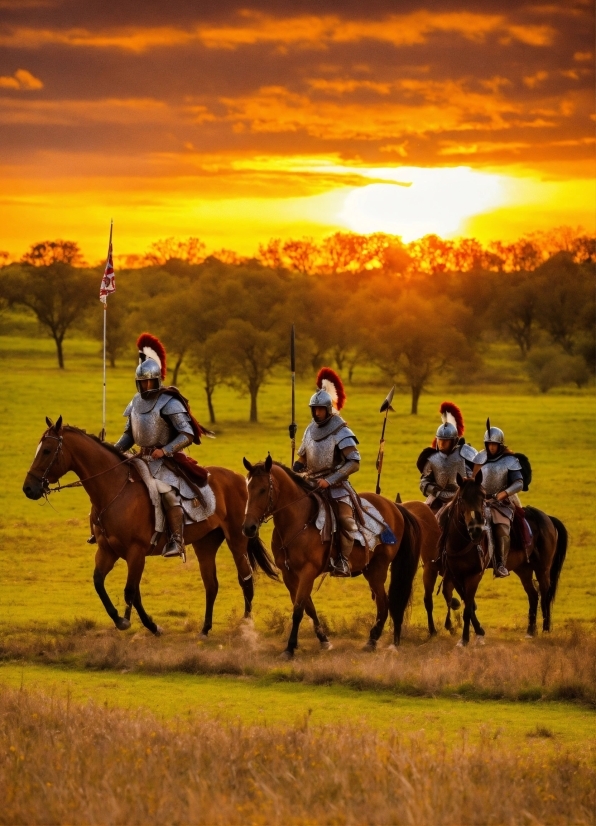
515	708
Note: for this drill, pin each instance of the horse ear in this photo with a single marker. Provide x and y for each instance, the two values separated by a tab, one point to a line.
49	422
459	479
268	463
478	478
247	464
58	425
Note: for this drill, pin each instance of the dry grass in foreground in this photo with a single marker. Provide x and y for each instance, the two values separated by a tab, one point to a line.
61	763
559	666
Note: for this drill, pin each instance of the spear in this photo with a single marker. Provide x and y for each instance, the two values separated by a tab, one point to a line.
385	408
293	426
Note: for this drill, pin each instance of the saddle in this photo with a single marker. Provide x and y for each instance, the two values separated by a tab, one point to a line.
521	533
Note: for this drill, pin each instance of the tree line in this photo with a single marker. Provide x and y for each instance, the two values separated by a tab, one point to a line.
413	311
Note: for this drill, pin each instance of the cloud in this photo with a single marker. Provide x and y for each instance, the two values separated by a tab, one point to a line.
21	80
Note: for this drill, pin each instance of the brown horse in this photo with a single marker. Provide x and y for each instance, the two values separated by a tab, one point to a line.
276	492
124	519
466	554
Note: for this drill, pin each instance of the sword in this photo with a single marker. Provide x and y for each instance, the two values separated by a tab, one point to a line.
385	408
293	426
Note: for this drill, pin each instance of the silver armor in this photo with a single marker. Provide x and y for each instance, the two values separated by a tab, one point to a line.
494	435
446	431
148	369
439	477
502	473
157	421
322	399
322	452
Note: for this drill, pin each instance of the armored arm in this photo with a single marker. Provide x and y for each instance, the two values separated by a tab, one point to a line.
350	465
177	415
468	454
126	441
428	485
515	482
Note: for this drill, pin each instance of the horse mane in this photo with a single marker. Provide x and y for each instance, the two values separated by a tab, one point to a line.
71	428
302	483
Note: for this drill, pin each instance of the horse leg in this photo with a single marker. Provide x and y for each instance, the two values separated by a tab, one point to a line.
206	550
104	562
311	612
524	572
429	577
132	594
303	592
236	542
376	575
448	596
469	592
144	616
545	602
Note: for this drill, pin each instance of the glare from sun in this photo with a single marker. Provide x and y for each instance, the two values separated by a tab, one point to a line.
436	201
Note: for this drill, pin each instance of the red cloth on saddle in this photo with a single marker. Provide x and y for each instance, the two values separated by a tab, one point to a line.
191	468
521	533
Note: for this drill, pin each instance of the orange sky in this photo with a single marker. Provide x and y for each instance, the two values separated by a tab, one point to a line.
239	122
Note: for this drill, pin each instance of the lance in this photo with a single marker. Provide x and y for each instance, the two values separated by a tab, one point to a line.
293	426
385	408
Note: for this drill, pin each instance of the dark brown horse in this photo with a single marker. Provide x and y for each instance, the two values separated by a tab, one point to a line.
124	519
276	492
466	554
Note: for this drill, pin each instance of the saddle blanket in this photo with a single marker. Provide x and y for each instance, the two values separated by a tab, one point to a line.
369	534
195	510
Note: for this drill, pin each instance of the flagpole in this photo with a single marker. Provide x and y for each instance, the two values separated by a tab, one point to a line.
105	327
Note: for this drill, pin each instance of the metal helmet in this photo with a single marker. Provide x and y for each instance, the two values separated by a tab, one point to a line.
493	435
322	399
148	369
447	430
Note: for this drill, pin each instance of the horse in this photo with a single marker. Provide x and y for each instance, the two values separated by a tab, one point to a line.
429	550
462	521
124	519
276	492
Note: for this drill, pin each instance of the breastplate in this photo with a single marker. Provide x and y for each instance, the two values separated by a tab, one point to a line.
320	455
495	476
150	428
446	468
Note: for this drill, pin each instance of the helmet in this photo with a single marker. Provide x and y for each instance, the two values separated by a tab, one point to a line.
493	435
447	430
152	360
322	399
148	369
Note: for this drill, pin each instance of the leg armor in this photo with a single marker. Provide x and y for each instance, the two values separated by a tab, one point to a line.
347	530
502	543
175	520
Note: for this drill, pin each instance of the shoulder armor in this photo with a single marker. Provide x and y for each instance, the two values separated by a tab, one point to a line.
424	457
346	438
469	453
172	406
526	469
511	462
480	458
128	409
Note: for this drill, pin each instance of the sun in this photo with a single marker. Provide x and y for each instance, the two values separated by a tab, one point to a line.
421	201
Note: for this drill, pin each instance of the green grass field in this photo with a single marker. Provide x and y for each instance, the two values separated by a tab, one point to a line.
533	698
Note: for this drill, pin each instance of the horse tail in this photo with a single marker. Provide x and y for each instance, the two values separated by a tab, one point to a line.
258	557
403	570
559	557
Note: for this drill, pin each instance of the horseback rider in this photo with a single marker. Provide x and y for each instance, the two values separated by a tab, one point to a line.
449	455
159	421
502	479
328	455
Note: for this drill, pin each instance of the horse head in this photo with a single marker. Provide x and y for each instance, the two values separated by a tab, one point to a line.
471	502
260	492
48	463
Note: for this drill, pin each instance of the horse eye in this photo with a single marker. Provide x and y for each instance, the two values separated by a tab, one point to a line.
46	451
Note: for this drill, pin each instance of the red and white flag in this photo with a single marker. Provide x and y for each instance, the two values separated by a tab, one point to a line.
108	282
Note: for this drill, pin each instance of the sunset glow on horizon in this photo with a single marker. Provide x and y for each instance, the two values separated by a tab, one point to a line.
237	125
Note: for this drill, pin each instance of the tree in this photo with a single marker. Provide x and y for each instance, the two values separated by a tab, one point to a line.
118	338
516	305
46	253
207	359
565	305
270	254
57	293
191	250
248	356
302	254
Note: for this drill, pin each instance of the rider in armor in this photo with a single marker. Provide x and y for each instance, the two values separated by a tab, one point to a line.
502	479
160	423
448	456
328	455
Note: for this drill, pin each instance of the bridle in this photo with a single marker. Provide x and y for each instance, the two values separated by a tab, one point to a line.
454	519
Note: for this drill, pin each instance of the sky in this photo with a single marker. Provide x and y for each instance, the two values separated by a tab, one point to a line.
238	122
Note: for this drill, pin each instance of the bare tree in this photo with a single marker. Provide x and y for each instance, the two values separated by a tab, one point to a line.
46	253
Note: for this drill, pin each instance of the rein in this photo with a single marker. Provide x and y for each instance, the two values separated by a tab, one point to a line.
454	516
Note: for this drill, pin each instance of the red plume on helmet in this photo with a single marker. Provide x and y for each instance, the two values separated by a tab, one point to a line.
152	348
450	412
328	380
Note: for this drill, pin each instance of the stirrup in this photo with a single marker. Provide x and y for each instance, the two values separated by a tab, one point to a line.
174	548
339	568
501	572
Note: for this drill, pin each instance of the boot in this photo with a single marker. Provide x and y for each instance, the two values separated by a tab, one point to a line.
175	545
501	553
340	566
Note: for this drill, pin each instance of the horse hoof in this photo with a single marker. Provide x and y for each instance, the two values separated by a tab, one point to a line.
529	635
203	635
326	646
248	620
481	632
370	646
455	604
461	644
122	624
158	631
480	641
392	648
286	655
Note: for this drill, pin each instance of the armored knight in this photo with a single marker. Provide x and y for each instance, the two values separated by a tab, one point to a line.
328	455
449	455
161	424
502	479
